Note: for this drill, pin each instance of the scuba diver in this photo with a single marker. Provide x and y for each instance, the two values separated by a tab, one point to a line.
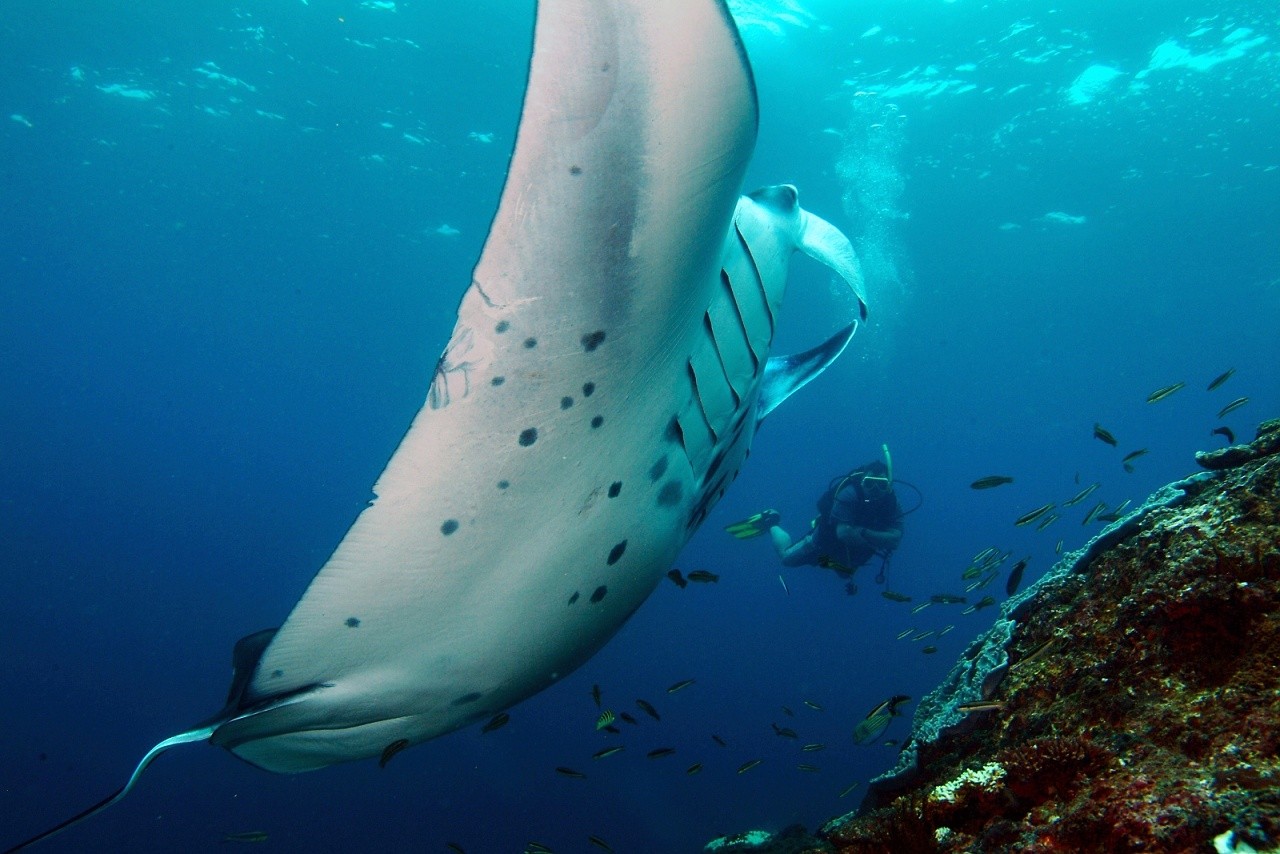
858	518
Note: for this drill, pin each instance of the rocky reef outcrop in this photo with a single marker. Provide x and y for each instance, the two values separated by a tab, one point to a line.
1128	701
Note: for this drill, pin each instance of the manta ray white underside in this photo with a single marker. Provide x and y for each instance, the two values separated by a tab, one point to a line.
599	393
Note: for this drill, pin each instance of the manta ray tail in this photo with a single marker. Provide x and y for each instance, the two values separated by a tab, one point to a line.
201	734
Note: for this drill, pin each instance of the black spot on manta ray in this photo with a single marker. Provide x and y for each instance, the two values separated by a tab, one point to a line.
574	597
449	526
467	698
670	494
352	623
503	484
615	488
496	381
575	170
592	340
658	469
502	326
597	421
615	554
566	402
530	343
276	674
588	389
528	436
599	594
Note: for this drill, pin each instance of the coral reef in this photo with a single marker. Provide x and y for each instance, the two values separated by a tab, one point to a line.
1133	693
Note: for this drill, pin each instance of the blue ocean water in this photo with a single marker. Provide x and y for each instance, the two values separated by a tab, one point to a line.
234	239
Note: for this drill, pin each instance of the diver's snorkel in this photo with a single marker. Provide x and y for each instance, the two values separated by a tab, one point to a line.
883	486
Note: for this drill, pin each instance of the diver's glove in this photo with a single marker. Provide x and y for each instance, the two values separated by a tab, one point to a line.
754	526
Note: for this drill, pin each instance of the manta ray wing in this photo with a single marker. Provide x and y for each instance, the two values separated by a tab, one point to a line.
510	536
600	390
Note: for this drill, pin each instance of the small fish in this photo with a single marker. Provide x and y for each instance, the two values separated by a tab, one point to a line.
786	711
1113	516
810	768
814	746
851	787
1161	393
595	694
1102	433
701	576
840	569
249	837
1028	518
984	554
1094	513
895	597
694	768
979	706
783	582
569	772
1047	521
1232	406
947	599
971	572
1224	432
659	752
606	717
890	742
391	750
1034	653
1015	577
784	732
929	650
608	751
748	765
677	579
877	720
917	609
613	730
537	848
1057	549
718	740
626	718
984	602
680	686
969	610
1220	379
498	721
600	843
1128	467
648	710
990	481
455	847
1081	495
919	636
942	631
811	704
905	632
1133	455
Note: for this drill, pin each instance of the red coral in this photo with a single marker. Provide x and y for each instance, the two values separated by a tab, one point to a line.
1047	767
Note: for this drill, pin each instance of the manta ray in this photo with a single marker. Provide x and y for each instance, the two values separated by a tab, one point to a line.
600	390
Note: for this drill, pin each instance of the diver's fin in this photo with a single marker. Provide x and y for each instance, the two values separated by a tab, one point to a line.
200	734
783	375
754	526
